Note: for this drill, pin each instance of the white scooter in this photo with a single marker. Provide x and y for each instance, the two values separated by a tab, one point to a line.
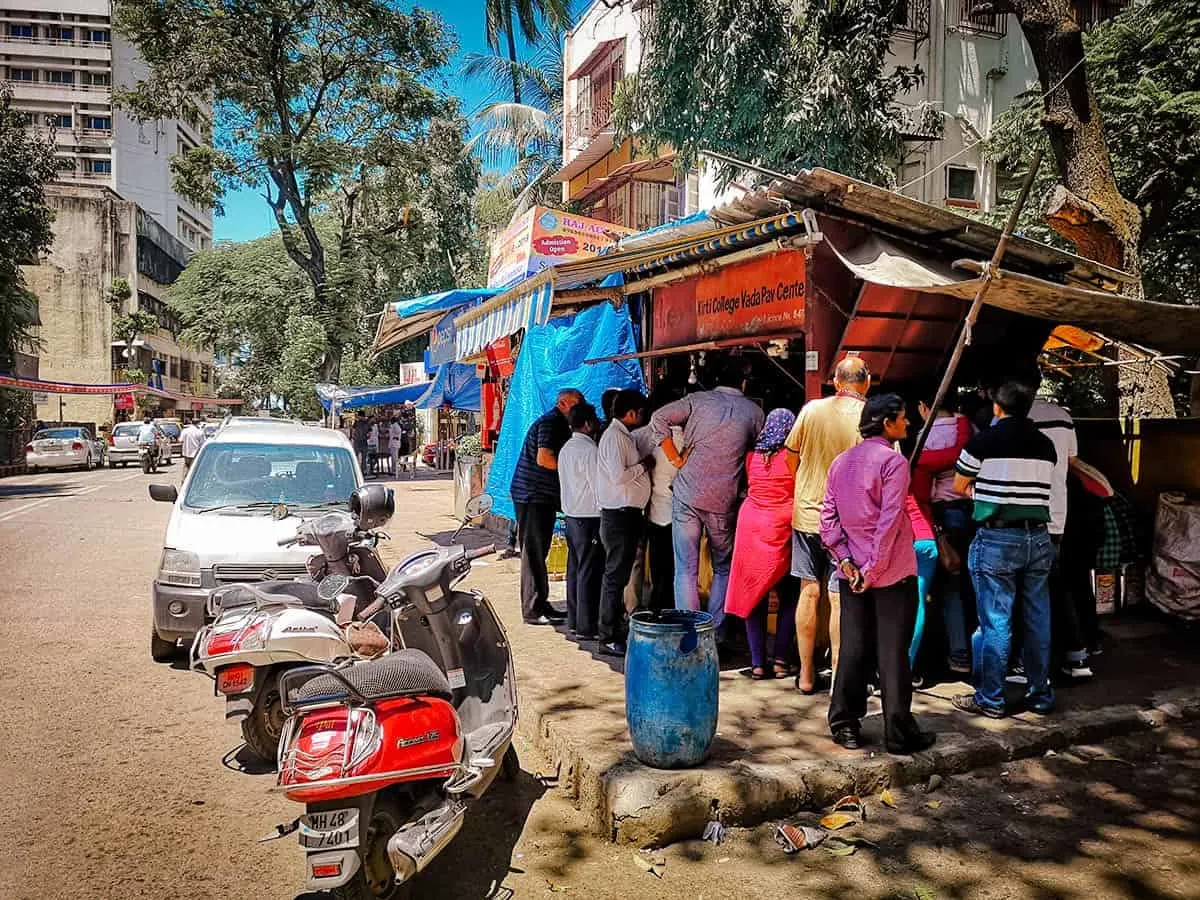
259	631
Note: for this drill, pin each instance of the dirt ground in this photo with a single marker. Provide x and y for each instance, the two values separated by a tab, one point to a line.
121	780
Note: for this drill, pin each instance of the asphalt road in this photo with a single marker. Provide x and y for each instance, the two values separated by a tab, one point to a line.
120	778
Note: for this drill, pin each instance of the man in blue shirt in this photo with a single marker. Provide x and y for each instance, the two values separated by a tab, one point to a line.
535	494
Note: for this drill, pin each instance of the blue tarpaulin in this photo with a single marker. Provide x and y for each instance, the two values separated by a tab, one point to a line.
552	358
456	385
406	319
358	397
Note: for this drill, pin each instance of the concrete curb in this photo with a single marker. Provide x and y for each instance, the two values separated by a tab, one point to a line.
632	803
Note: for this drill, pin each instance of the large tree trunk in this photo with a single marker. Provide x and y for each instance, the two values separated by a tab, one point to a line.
1085	206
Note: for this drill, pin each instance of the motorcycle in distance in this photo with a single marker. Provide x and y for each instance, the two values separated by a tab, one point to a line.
148	457
387	754
258	631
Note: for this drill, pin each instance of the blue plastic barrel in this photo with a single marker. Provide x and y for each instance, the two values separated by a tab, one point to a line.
671	687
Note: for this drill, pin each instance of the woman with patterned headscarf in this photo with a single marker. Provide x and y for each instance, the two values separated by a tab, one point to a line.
762	549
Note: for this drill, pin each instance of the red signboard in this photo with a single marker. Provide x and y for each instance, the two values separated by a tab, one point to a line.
123	401
757	297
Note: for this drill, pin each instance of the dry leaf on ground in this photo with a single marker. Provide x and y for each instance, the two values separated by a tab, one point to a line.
934	804
834	821
887	799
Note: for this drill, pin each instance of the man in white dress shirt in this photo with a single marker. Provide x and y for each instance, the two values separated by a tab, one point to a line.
577	474
623	489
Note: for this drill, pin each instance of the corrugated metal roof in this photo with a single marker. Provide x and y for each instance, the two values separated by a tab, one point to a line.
933	227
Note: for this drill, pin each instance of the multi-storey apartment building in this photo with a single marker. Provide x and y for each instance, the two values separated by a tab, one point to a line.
975	69
117	214
61	59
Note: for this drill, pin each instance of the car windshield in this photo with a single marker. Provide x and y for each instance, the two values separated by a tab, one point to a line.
170	429
57	434
237	475
127	429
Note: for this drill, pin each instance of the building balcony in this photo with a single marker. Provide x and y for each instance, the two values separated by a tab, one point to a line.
582	126
55	48
63	93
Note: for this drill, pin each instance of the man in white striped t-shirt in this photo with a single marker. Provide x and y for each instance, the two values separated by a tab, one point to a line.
1009	472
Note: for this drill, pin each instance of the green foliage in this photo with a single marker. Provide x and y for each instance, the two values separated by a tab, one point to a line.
27	165
315	99
521	138
786	83
304	349
504	18
118	295
127	328
1144	69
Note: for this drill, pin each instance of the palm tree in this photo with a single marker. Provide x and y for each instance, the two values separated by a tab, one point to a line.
521	138
527	15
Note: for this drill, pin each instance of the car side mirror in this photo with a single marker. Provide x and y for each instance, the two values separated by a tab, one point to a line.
164	493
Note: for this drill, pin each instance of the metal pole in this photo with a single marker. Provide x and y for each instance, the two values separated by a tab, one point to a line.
964	336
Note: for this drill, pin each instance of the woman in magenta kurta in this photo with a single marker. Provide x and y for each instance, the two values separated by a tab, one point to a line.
762	548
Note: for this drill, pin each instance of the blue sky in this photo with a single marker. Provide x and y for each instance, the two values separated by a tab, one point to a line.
246	212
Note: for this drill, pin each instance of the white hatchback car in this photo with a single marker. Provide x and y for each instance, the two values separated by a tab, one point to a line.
250	487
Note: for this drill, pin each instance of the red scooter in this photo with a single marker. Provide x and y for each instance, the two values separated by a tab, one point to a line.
386	754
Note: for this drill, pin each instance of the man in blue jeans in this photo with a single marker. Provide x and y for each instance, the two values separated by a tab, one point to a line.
1008	471
719	428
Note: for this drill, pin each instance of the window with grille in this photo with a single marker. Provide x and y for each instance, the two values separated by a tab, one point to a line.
990	25
911	18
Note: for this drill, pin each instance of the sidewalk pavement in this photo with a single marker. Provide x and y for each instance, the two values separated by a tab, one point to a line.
772	755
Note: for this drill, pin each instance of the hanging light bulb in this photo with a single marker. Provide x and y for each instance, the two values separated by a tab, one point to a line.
692	379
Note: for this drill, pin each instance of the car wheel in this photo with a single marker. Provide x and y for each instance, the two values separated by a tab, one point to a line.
161	650
112	464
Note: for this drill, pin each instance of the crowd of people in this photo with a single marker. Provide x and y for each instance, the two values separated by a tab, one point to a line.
382	442
822	509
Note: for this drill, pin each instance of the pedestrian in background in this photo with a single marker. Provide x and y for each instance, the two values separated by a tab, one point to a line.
825	428
762	549
361	430
577	475
865	525
1008	471
373	444
623	490
719	428
192	439
395	445
536	496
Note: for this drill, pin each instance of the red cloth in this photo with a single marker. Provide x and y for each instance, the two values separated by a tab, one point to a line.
922	530
933	462
762	544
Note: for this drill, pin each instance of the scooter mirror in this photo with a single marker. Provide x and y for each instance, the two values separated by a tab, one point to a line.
479	505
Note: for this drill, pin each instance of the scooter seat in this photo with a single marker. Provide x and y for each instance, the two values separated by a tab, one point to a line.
403	673
291	593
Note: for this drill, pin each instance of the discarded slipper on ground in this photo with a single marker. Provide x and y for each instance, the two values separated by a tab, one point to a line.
794	838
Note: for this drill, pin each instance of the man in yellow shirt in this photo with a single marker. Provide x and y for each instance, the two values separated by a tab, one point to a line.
825	428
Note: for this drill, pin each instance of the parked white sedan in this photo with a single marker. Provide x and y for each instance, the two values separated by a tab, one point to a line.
60	448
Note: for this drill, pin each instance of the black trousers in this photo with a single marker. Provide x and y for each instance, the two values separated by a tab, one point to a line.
876	626
662	566
585	574
620	532
535	527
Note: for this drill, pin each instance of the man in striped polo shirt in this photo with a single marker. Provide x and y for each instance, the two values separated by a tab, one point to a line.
1008	470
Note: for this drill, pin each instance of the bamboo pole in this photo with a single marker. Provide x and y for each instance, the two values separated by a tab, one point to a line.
964	337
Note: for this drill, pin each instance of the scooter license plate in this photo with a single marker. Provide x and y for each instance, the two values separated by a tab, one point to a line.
235	679
333	829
